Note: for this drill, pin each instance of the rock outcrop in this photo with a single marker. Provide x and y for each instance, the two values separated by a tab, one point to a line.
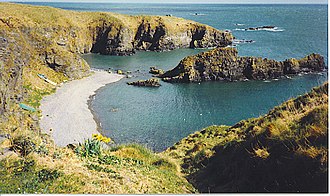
49	41
155	71
224	64
153	82
57	37
155	34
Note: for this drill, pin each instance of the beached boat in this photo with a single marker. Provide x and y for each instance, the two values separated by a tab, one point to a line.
42	76
26	107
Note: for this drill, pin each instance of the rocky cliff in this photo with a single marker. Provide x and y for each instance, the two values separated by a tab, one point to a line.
49	41
225	64
57	36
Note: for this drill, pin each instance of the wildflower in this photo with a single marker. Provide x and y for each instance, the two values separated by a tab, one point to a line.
95	135
101	138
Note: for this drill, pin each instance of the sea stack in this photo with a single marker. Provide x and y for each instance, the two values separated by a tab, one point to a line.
224	64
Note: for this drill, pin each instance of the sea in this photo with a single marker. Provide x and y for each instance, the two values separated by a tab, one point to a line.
160	117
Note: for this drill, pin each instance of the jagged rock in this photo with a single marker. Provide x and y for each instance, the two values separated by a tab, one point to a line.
260	28
156	34
154	70
31	41
225	64
71	64
120	72
153	82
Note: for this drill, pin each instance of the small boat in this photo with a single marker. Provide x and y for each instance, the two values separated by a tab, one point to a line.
42	76
26	107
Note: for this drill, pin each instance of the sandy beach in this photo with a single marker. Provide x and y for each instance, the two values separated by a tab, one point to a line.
65	114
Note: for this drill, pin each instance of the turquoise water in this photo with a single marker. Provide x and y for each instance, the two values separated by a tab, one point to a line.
159	117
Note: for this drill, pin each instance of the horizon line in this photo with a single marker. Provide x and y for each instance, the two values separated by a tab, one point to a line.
116	2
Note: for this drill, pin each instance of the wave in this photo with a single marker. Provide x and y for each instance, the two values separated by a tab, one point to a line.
242	41
239	29
231	46
264	28
197	14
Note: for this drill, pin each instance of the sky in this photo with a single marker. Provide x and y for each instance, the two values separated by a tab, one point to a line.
188	1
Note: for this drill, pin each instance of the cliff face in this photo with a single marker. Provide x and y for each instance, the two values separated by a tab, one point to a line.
285	150
49	41
156	34
225	64
58	36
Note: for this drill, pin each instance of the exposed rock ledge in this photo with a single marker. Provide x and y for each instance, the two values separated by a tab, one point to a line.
49	41
56	37
225	64
153	82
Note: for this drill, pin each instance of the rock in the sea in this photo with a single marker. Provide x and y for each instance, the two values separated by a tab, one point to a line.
120	72
153	82
154	70
225	64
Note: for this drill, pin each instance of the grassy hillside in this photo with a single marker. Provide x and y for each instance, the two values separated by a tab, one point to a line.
35	39
284	151
49	41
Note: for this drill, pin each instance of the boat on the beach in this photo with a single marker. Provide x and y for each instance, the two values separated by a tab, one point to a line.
26	107
42	76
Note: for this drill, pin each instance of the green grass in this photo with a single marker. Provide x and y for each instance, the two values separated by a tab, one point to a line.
284	150
24	176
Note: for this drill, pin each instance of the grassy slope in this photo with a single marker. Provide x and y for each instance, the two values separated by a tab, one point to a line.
124	169
31	31
127	169
285	150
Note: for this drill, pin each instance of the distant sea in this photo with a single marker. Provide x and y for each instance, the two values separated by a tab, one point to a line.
159	117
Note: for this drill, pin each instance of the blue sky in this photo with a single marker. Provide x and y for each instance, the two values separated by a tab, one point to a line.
187	1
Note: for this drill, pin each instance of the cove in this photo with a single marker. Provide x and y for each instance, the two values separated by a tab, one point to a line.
159	117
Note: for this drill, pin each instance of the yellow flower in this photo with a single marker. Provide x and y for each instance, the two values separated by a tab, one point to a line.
94	135
101	138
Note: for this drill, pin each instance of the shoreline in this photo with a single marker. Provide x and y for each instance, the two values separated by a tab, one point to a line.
67	115
95	118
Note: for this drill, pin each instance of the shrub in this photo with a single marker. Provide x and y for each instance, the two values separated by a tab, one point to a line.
42	150
23	145
45	174
90	148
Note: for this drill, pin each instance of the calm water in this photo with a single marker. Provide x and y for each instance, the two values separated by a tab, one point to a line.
159	117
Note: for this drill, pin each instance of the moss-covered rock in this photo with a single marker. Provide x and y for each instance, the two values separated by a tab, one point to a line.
155	71
153	82
224	64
